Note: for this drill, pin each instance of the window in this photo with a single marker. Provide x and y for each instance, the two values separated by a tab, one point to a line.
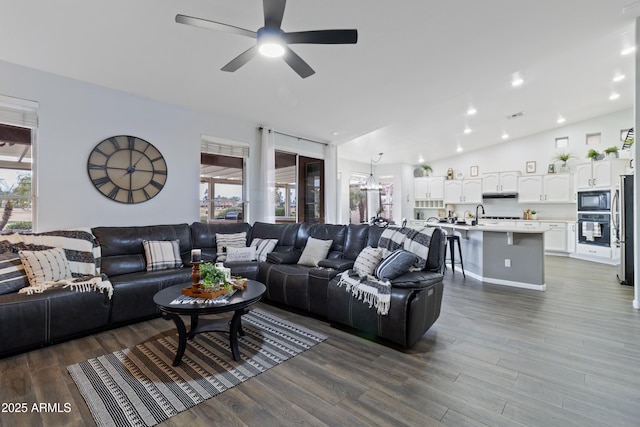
562	142
222	182
18	122
286	187
593	138
359	210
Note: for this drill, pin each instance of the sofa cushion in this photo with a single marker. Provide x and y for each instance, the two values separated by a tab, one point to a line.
241	254
122	250
12	274
224	241
162	254
314	251
49	265
396	264
263	247
367	261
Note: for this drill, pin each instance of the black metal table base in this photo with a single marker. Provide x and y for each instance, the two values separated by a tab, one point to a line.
233	327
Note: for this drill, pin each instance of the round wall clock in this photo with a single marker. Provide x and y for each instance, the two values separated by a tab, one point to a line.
127	169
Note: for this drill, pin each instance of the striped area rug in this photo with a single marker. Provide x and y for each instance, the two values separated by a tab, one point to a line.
140	387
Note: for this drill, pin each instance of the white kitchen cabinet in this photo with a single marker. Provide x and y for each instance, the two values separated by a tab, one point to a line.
530	189
599	173
463	191
500	182
428	188
572	236
557	188
556	239
551	188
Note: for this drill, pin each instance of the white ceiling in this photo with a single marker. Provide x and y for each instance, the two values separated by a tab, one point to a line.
403	89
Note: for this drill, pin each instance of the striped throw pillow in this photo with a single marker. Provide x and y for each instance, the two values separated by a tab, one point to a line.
367	261
224	241
12	274
263	247
396	264
49	265
162	254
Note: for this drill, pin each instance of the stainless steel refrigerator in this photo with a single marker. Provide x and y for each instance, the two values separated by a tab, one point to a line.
623	217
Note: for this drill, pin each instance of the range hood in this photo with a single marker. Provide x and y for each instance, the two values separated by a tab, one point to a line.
500	195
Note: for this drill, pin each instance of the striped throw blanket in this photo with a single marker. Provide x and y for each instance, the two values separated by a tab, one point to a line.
415	240
376	293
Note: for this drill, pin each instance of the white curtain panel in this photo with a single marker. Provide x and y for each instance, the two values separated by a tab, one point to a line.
331	193
266	209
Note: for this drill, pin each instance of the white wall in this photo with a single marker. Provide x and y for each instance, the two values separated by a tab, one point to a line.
75	116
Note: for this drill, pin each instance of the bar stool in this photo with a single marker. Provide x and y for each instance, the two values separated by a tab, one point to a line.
452	239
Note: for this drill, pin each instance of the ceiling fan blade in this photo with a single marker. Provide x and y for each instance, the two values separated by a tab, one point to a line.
212	25
241	59
273	12
322	37
298	64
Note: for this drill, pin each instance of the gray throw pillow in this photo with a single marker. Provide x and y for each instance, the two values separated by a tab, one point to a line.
314	251
12	274
396	264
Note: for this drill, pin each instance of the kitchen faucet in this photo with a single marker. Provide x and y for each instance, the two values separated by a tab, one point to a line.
477	218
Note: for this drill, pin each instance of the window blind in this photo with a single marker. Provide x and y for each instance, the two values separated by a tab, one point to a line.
18	112
216	147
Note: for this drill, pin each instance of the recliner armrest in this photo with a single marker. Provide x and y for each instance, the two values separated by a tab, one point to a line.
290	257
417	279
336	264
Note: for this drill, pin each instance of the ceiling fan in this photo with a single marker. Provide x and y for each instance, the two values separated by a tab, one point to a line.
272	41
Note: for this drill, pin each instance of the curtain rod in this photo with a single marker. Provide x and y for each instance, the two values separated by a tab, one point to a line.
296	137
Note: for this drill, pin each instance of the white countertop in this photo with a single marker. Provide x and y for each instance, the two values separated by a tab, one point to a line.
496	228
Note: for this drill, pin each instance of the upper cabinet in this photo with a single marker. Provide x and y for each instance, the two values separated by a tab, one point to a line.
599	174
500	182
428	188
463	191
551	188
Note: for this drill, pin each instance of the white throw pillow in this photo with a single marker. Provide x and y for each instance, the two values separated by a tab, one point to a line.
162	254
241	254
230	240
314	251
367	261
49	265
263	247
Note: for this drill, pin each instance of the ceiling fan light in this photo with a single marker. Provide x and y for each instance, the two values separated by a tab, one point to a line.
271	50
270	44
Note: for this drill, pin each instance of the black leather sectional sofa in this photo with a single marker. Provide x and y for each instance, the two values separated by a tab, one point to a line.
30	321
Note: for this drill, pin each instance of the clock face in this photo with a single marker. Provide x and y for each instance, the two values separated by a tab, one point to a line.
127	169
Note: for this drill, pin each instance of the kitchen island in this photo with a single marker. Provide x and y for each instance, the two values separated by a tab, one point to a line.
502	254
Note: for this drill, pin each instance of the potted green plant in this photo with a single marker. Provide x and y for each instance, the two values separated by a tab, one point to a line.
611	151
210	276
564	158
534	214
593	154
426	169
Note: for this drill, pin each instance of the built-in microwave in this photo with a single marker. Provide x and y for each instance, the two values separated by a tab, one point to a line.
594	201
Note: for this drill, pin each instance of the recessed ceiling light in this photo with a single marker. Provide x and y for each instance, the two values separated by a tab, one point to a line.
628	50
420	159
517	81
619	78
467	130
505	135
459	149
334	133
614	96
471	111
561	119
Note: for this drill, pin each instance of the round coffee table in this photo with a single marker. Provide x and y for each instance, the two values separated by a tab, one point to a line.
239	303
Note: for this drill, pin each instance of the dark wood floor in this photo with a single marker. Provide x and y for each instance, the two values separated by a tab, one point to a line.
497	356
